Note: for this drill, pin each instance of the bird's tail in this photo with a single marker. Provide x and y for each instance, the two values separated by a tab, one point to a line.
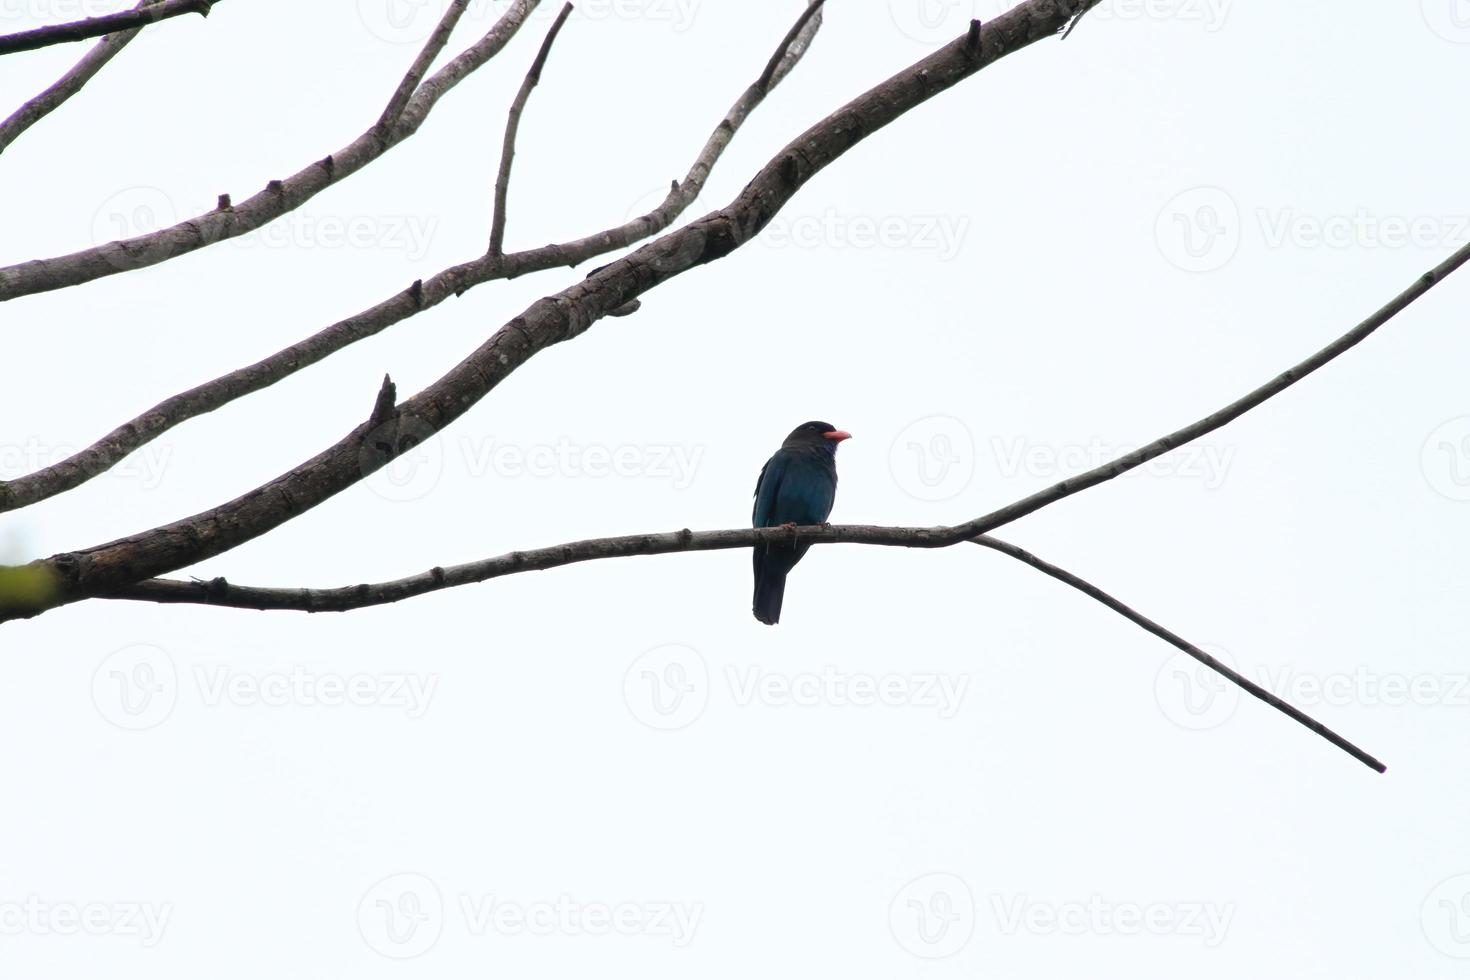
770	589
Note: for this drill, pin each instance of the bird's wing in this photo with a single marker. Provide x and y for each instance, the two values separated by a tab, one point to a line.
767	486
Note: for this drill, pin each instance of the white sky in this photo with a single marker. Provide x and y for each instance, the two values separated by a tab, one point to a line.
1049	791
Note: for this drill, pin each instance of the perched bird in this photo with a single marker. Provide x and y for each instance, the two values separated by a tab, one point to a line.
796	486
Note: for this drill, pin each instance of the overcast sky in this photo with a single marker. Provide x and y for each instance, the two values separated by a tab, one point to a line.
940	764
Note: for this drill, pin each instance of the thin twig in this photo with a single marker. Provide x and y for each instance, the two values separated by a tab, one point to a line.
112	448
1234	677
769	76
80	30
410	81
512	125
67	85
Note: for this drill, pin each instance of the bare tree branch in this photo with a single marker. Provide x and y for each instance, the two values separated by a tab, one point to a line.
1234	677
127	20
67	85
512	125
221	593
549	321
420	66
277	198
421	295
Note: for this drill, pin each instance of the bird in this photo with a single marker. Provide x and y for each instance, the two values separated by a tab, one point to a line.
796	486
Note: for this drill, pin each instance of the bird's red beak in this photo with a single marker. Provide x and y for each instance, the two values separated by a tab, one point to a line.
837	435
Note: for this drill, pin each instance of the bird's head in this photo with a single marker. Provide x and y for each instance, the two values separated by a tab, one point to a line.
817	434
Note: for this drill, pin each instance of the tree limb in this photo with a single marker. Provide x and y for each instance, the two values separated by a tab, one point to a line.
358	596
220	592
126	20
551	320
512	125
277	198
67	85
112	448
1234	677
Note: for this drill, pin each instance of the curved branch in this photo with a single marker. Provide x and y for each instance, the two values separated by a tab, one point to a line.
67	85
126	20
112	448
513	125
277	198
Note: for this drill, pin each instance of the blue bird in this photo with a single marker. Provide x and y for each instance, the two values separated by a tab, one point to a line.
796	486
